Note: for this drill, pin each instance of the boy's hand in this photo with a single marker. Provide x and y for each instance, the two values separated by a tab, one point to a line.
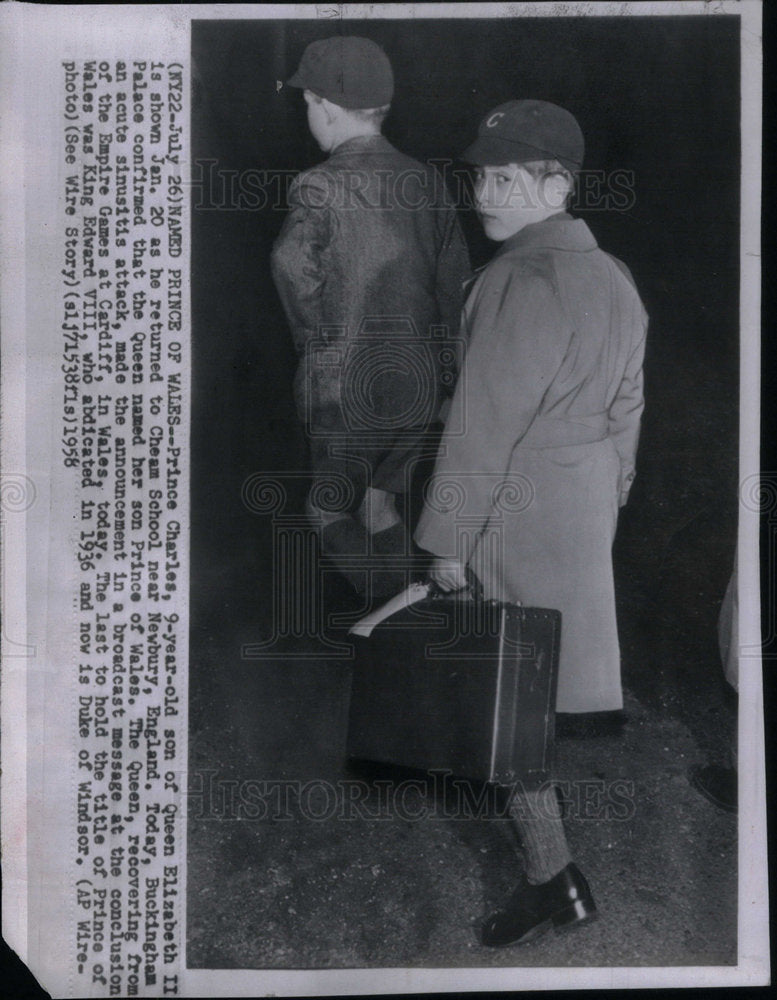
448	574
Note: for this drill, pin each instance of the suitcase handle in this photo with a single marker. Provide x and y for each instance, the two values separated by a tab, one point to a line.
475	588
473	591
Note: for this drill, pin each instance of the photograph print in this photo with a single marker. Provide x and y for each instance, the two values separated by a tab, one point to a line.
464	492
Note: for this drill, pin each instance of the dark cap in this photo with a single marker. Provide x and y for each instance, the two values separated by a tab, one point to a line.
350	71
521	131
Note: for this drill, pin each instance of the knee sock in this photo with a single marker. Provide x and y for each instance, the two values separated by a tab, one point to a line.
378	511
537	816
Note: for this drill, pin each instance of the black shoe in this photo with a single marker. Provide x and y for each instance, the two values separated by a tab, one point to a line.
533	909
718	784
379	579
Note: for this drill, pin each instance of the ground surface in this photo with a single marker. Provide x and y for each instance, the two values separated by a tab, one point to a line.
350	889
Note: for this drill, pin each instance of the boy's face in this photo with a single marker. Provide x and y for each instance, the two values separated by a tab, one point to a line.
507	198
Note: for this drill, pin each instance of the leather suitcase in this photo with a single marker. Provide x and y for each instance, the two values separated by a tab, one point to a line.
467	686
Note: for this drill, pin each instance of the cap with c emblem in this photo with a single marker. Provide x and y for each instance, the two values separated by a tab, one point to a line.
521	131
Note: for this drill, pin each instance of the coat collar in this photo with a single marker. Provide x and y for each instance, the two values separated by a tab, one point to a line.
363	144
559	232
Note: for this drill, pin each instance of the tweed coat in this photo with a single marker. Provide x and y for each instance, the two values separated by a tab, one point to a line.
369	266
540	444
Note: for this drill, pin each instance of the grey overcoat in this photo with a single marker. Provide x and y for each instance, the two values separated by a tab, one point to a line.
540	443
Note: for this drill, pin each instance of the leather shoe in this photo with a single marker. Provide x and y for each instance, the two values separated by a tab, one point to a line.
533	909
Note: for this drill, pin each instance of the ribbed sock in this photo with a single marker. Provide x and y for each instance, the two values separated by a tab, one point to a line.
378	511
537	816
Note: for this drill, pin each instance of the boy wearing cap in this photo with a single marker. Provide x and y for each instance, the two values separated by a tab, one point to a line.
369	266
550	396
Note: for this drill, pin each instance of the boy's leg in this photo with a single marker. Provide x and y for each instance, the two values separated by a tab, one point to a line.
377	511
334	496
555	892
357	542
537	816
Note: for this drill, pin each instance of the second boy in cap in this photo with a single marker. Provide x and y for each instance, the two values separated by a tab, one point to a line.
550	396
369	266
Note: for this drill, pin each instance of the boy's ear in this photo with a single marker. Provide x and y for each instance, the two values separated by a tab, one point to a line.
556	190
331	110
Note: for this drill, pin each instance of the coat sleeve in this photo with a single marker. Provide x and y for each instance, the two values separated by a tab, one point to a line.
453	269
625	411
519	337
296	261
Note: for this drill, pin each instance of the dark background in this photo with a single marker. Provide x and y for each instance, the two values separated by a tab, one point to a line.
656	96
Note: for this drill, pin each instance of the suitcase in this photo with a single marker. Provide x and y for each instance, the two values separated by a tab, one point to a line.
465	686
